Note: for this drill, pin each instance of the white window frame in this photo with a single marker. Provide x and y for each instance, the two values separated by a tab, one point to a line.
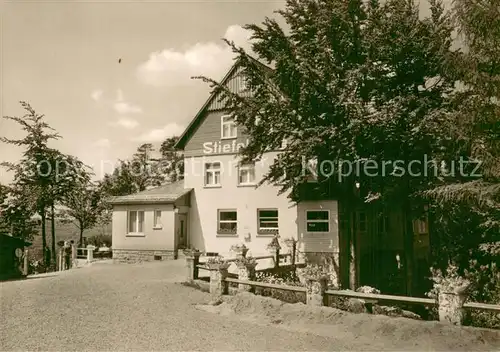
231	122
157	224
246	167
216	174
267	230
318	221
219	221
129	216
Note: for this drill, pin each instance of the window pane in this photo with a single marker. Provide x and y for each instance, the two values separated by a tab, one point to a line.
217	177
157	218
232	130
251	175
227	118
212	166
268	224
227	215
225	130
268	213
132	221
317	215
318	227
209	178
141	221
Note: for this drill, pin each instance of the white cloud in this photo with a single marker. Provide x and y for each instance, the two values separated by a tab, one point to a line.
160	134
170	67
97	94
125	122
103	143
123	107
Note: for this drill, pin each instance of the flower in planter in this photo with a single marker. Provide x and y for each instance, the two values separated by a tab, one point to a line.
238	248
217	261
451	282
246	261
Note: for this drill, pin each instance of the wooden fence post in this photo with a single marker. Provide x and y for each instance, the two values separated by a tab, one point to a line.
277	258
60	259
73	256
25	263
192	261
90	253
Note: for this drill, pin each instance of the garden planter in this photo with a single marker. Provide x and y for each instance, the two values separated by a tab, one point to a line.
450	307
246	271
315	289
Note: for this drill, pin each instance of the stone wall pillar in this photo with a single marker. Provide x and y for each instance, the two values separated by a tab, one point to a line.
246	271
315	290
451	307
192	262
218	275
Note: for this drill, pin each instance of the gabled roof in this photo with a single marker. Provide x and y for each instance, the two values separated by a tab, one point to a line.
168	193
195	123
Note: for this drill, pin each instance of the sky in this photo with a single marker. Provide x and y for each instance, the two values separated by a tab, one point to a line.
62	57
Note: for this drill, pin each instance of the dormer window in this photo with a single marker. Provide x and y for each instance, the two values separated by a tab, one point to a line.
228	127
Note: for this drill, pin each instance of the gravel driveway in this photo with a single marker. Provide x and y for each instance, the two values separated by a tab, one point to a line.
131	307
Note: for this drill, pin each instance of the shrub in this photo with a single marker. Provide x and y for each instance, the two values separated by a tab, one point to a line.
283	277
485	289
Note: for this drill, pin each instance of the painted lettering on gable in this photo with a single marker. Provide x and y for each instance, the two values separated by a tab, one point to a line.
221	147
233	147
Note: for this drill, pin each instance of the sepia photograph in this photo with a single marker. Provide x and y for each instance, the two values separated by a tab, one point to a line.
249	175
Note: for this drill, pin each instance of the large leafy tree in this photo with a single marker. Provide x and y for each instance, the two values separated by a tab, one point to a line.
171	163
32	173
469	218
350	81
475	119
85	207
42	178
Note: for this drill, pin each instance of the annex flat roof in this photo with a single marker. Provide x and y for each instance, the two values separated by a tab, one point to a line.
167	193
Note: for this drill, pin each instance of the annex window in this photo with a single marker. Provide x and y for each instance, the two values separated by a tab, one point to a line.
212	174
246	174
228	127
227	221
157	219
317	221
267	220
136	221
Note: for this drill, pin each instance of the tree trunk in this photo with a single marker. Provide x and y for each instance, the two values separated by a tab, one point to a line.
44	235
352	252
81	235
53	229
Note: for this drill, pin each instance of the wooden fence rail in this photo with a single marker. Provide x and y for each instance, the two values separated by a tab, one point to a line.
374	298
450	306
266	285
367	297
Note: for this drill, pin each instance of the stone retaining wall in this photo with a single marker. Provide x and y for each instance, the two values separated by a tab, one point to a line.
134	256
